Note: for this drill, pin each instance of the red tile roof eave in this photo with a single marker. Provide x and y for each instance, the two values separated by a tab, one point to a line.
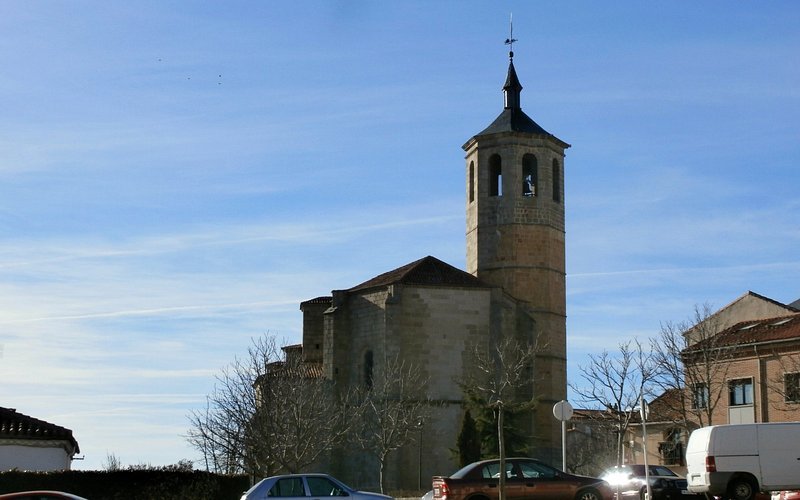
749	293
764	330
766	343
14	425
748	345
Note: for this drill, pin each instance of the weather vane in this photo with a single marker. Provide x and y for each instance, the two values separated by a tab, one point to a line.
510	40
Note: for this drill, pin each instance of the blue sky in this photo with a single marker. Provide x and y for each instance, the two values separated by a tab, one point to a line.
175	177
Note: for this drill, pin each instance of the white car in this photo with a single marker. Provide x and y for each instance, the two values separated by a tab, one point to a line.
303	486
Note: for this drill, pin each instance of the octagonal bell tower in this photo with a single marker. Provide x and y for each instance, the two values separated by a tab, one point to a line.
515	240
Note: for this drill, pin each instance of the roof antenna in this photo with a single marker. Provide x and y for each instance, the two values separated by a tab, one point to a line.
510	40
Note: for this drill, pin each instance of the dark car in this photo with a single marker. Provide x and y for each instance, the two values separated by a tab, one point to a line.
525	478
628	483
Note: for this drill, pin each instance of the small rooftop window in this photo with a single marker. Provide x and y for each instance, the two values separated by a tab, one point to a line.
750	326
782	322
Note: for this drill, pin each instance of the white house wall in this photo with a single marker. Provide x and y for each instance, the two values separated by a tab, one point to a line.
51	457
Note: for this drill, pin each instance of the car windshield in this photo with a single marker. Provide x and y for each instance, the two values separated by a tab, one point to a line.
661	471
460	473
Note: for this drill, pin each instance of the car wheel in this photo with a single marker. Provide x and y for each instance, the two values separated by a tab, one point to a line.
741	489
588	494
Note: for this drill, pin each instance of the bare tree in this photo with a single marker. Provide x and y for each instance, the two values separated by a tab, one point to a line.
269	412
392	411
502	380
300	415
617	383
785	381
591	442
691	362
112	463
219	431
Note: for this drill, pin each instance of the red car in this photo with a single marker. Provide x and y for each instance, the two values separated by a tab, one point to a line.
525	478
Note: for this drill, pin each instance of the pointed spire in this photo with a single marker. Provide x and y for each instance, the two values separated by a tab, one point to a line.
512	87
513	119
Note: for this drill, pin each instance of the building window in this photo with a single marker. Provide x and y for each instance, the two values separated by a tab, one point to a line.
471	181
495	176
791	387
671	449
556	182
699	396
740	392
529	175
369	365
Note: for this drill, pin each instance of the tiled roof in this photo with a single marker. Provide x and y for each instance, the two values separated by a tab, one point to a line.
426	271
318	300
789	308
663	408
303	369
586	413
14	425
757	331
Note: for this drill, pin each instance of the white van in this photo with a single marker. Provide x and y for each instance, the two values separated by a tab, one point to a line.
737	461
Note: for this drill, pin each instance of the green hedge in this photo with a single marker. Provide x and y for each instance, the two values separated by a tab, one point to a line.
130	484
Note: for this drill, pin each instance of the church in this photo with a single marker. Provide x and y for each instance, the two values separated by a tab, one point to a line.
429	313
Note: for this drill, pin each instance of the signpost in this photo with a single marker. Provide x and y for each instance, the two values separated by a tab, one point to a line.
644	412
563	412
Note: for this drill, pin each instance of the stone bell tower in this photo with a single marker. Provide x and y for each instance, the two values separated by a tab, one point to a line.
515	240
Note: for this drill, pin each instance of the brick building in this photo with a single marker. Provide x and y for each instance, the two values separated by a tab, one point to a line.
761	379
752	347
753	344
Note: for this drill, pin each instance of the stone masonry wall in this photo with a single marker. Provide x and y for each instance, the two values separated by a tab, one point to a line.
429	327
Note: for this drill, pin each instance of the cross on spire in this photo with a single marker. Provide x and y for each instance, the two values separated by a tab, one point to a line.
510	40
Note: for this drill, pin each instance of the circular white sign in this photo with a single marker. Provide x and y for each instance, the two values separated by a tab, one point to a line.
562	410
